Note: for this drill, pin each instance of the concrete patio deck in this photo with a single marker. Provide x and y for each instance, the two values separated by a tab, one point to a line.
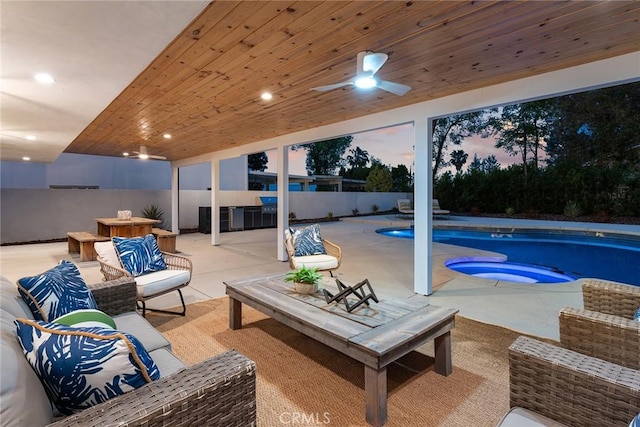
386	262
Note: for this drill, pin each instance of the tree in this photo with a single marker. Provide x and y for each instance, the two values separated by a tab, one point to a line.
451	130
379	179
358	158
490	164
485	166
324	157
401	178
458	159
475	165
598	127
257	161
522	129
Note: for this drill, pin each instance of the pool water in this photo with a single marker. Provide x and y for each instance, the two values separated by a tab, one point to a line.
598	255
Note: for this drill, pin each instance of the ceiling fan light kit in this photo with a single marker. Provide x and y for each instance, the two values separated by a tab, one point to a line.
365	82
368	63
143	154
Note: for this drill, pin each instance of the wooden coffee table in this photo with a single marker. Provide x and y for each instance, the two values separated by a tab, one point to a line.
376	335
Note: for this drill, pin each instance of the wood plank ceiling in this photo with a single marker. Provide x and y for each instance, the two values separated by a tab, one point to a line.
204	88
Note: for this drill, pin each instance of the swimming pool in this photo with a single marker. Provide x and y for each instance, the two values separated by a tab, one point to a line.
579	254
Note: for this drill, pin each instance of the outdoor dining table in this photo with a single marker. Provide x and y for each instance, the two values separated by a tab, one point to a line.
134	227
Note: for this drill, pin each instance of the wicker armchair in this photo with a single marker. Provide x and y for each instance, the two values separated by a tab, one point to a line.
329	262
111	268
605	327
570	387
220	391
594	378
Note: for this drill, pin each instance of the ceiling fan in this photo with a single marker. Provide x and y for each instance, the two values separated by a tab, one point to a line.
143	154
367	66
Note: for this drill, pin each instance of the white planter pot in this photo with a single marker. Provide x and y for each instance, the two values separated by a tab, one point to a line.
305	288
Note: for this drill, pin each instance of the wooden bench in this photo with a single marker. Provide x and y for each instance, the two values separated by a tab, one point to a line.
82	242
166	240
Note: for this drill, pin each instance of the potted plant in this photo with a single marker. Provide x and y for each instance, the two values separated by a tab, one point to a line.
305	280
154	212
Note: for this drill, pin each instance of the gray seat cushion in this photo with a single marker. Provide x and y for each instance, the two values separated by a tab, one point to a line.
12	302
140	328
167	362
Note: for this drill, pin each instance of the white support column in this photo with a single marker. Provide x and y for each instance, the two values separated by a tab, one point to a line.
175	199
215	202
245	176
283	199
422	195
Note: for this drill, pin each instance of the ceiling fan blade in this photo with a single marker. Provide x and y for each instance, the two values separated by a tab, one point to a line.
331	87
373	61
393	87
144	154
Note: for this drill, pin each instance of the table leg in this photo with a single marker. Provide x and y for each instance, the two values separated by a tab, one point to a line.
442	345
235	314
375	390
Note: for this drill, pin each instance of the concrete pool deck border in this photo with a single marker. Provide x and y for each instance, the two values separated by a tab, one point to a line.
503	224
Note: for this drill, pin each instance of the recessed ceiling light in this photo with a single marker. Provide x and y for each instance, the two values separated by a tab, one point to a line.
167	136
31	137
267	96
26	159
44	78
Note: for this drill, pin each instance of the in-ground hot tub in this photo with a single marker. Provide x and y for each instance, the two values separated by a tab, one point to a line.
489	268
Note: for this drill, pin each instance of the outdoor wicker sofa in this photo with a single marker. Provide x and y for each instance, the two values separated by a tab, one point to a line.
220	391
593	377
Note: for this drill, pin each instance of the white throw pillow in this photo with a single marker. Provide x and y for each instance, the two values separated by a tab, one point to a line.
107	252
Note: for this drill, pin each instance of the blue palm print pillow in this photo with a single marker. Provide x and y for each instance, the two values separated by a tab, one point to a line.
81	367
56	292
139	255
307	241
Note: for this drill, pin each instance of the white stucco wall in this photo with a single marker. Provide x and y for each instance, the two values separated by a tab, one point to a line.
28	215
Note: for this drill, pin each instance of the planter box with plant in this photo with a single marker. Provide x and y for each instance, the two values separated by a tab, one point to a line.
305	280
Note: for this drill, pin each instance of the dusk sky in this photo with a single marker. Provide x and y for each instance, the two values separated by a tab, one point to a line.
394	146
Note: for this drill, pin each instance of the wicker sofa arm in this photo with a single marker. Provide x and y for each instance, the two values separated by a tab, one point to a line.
605	336
115	296
220	391
570	387
610	297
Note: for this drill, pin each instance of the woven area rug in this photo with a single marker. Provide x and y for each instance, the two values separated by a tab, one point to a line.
303	382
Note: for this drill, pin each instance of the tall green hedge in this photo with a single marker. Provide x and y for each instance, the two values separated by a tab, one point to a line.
596	190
